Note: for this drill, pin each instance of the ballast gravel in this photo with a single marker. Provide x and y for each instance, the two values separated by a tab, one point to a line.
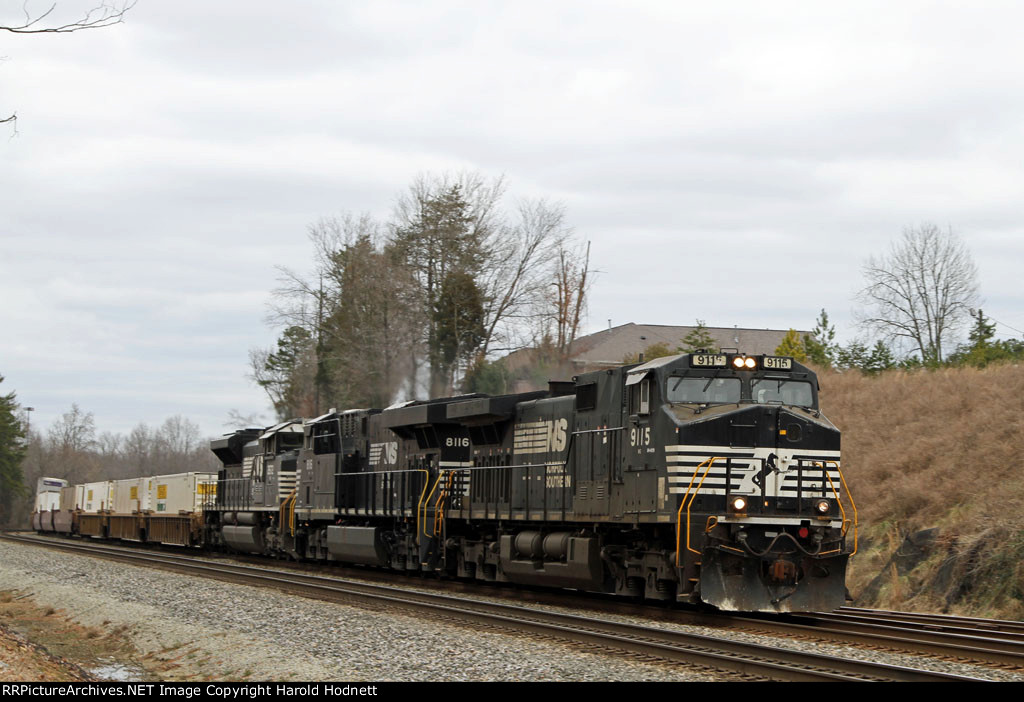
227	631
907	660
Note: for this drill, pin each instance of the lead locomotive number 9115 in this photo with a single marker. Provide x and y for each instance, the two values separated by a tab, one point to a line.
704	478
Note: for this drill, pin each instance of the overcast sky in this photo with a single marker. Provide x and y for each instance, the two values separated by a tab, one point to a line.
734	162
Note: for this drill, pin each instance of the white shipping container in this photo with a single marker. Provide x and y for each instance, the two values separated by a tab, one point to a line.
47	501
46	489
50	485
182	492
70	497
131	495
98	496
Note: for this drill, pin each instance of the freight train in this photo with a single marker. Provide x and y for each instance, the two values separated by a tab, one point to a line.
707	478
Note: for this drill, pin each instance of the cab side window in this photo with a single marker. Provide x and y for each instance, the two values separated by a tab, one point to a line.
640	397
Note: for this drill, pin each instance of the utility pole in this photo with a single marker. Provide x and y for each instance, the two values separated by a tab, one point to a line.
318	380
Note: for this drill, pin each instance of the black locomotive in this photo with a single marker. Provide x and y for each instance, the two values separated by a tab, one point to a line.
706	477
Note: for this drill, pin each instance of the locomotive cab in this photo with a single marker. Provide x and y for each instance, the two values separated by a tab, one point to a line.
753	481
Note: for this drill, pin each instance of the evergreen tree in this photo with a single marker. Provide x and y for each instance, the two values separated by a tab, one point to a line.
12	453
982	332
911	363
820	344
439	237
697	339
287	374
459	324
880	359
853	356
372	330
792	346
489	377
982	347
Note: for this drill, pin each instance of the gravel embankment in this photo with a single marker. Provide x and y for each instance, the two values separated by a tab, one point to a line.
239	632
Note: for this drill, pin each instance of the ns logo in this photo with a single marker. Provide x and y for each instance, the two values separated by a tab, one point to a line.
556	434
386	453
542	436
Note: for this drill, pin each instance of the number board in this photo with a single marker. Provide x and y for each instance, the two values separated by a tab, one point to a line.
777	363
707	360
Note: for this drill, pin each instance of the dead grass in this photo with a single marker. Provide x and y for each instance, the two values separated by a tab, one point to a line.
940	449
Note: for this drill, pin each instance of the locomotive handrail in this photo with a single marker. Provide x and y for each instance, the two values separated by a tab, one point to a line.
243	500
419	529
707	470
683	503
458	469
853	504
282	509
423	492
442	498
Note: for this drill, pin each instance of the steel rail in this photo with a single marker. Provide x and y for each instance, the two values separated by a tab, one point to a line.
1005	626
950	643
739	657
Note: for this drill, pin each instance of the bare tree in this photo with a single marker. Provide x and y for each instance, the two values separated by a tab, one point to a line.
73	432
101	15
138	447
516	280
921	291
568	295
237	420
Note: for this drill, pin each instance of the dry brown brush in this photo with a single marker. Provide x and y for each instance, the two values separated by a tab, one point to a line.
936	449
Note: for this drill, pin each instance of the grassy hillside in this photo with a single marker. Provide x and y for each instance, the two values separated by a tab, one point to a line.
935	450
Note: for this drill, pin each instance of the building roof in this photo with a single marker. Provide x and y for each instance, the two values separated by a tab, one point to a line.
609	346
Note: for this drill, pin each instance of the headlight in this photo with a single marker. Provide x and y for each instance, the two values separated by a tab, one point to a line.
750	363
738	361
739	504
822	506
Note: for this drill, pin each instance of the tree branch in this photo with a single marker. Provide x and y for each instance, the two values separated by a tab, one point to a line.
103	15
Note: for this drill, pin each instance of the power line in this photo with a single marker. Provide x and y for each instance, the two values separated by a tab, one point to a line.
1005	324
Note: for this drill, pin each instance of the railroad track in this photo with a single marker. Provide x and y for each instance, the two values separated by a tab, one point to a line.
746	659
935	620
954	638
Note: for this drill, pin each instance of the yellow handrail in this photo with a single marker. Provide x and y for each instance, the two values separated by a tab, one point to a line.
842	510
439	505
284	508
291	515
684	503
419	529
423	493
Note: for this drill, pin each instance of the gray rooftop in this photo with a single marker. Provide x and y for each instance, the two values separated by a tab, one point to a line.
610	346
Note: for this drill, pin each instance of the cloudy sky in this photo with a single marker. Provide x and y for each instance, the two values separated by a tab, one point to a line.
734	162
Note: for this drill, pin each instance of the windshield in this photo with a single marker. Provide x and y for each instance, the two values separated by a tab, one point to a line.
703	390
786	392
